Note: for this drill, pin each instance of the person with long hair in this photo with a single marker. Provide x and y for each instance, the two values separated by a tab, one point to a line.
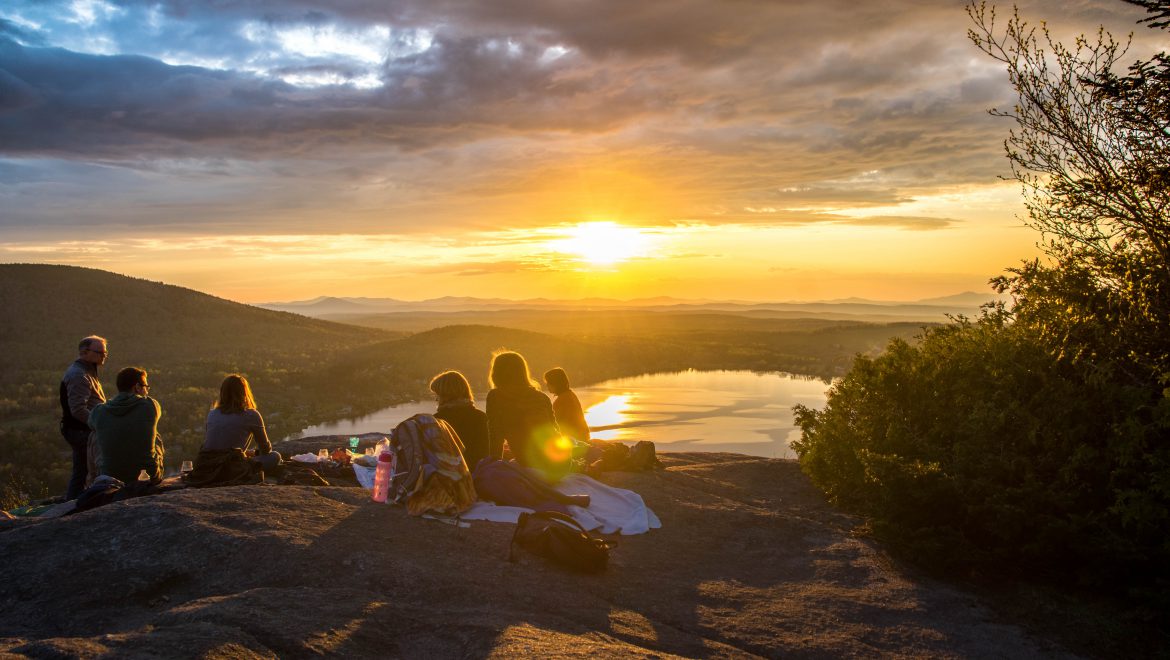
522	415
457	408
234	423
566	406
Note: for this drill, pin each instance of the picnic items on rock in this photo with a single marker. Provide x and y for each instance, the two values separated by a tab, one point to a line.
382	475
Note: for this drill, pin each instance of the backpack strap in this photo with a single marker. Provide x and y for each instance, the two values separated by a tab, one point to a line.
520	522
561	518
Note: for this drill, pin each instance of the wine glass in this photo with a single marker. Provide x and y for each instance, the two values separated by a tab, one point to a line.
186	467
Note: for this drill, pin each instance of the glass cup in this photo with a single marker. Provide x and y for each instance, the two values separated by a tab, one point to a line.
369	451
186	467
322	455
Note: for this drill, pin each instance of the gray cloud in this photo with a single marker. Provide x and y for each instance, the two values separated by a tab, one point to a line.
728	105
781	217
914	223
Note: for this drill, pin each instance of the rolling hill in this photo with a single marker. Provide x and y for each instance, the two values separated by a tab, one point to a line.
48	308
306	371
187	340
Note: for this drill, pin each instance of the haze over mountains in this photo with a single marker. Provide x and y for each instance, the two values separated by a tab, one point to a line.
860	309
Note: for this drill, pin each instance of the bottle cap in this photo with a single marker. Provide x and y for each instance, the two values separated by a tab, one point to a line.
386	457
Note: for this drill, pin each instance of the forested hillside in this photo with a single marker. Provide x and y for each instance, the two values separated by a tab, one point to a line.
307	371
187	341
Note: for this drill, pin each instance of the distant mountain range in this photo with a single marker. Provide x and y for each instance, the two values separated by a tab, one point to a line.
930	309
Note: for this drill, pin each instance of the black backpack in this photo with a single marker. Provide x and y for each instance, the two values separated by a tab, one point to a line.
557	537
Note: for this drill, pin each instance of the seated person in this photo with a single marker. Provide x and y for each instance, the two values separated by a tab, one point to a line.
566	406
233	423
457	408
519	413
507	484
126	430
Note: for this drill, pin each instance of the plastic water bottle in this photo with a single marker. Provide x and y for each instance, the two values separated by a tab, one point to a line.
382	476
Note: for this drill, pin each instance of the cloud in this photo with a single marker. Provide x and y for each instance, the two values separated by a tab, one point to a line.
778	217
914	223
412	116
478	269
456	72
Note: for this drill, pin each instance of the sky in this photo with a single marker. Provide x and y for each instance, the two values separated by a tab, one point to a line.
272	150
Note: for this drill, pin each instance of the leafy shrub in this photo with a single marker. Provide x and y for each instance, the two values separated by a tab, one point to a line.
982	445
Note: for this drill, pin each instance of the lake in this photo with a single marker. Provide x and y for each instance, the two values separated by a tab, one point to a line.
734	411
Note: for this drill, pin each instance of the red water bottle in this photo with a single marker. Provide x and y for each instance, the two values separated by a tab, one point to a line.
382	476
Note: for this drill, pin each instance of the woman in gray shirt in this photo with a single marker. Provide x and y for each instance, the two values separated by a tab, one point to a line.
233	422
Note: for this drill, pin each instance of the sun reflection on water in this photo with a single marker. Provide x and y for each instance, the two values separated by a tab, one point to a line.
606	417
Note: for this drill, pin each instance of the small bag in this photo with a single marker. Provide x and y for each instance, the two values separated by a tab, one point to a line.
555	536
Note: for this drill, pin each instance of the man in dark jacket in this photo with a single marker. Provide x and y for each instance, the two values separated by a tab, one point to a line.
81	392
126	428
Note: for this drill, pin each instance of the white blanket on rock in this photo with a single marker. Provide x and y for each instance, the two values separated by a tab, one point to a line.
610	509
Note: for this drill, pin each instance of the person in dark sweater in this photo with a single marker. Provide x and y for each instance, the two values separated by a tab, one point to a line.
457	408
81	392
234	423
519	413
566	406
125	429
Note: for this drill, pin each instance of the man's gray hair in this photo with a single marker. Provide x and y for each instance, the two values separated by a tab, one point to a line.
89	341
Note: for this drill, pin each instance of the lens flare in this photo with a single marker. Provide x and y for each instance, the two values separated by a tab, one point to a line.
558	449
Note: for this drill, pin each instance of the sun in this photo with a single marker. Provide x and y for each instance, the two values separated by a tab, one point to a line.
602	243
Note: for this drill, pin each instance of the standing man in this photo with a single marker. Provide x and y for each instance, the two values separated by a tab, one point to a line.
126	430
81	392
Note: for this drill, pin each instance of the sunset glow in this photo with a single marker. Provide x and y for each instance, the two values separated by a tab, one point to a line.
775	152
602	243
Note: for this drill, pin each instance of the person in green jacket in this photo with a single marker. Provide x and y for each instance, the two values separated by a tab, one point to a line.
126	430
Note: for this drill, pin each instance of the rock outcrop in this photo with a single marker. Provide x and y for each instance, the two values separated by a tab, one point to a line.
750	561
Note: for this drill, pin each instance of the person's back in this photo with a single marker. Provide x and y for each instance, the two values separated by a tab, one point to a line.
234	422
232	430
457	408
126	430
471	425
570	417
523	417
566	406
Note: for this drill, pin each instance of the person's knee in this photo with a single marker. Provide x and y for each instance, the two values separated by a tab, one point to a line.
270	460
